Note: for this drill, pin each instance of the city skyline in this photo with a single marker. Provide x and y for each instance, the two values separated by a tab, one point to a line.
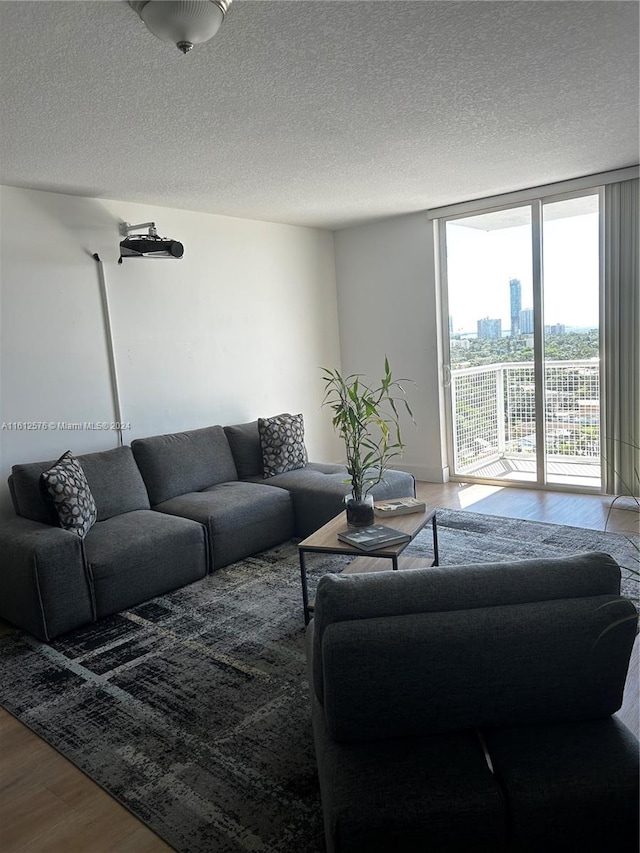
491	327
482	265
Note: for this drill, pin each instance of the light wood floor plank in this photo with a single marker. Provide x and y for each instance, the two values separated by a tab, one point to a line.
100	826
49	806
25	817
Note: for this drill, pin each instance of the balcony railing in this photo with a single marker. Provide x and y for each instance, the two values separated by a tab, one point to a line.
494	413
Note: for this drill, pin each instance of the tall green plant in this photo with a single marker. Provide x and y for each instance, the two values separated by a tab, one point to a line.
367	420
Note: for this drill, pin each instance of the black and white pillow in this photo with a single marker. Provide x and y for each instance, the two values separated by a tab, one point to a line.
67	486
282	444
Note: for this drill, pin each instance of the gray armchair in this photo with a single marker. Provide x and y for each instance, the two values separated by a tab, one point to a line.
470	708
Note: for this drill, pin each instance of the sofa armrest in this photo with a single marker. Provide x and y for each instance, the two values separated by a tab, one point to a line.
44	585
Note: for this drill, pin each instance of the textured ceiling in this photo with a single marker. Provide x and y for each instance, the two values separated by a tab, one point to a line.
318	113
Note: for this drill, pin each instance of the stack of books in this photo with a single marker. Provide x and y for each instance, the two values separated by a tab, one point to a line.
398	506
374	538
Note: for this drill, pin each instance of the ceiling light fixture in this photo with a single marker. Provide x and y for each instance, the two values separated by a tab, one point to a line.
182	22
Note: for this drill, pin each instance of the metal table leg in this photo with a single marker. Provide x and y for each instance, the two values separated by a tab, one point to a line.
434	528
305	594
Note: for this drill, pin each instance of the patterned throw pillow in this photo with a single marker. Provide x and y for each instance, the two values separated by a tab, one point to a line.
282	443
67	486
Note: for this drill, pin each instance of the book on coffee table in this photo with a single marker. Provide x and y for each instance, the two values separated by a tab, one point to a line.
373	538
398	506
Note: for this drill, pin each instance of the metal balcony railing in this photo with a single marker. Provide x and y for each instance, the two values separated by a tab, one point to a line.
494	412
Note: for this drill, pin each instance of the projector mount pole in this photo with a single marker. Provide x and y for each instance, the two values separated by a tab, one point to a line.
110	349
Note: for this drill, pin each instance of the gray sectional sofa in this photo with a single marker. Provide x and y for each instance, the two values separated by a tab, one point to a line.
51	580
170	508
476	702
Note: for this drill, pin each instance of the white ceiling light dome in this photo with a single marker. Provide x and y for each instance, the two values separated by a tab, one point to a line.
182	22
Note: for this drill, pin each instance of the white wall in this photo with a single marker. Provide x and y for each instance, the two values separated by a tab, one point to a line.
387	304
235	330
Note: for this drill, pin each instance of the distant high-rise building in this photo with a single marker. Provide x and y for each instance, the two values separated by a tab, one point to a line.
450	324
526	321
515	300
556	329
489	328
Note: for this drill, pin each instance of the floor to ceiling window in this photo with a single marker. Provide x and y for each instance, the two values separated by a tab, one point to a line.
522	299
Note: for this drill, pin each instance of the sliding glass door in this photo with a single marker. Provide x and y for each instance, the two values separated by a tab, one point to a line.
571	336
522	302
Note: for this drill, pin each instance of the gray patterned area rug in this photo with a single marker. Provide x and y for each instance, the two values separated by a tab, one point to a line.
193	710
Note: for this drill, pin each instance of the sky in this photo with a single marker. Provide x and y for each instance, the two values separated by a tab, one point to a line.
480	264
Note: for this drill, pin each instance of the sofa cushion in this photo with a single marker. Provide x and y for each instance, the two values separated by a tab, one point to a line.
244	441
449	588
183	462
141	554
28	492
549	661
318	492
282	443
116	482
242	518
433	794
69	490
587	770
113	476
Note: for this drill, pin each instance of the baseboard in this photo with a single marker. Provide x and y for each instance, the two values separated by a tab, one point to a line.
426	473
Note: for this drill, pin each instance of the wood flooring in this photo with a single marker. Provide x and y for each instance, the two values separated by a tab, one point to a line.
47	805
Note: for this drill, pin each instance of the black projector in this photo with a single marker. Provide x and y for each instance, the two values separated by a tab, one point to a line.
150	247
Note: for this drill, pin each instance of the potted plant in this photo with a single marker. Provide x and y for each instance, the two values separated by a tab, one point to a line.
367	420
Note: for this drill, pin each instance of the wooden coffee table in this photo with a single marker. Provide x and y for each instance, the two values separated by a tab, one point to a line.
325	541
